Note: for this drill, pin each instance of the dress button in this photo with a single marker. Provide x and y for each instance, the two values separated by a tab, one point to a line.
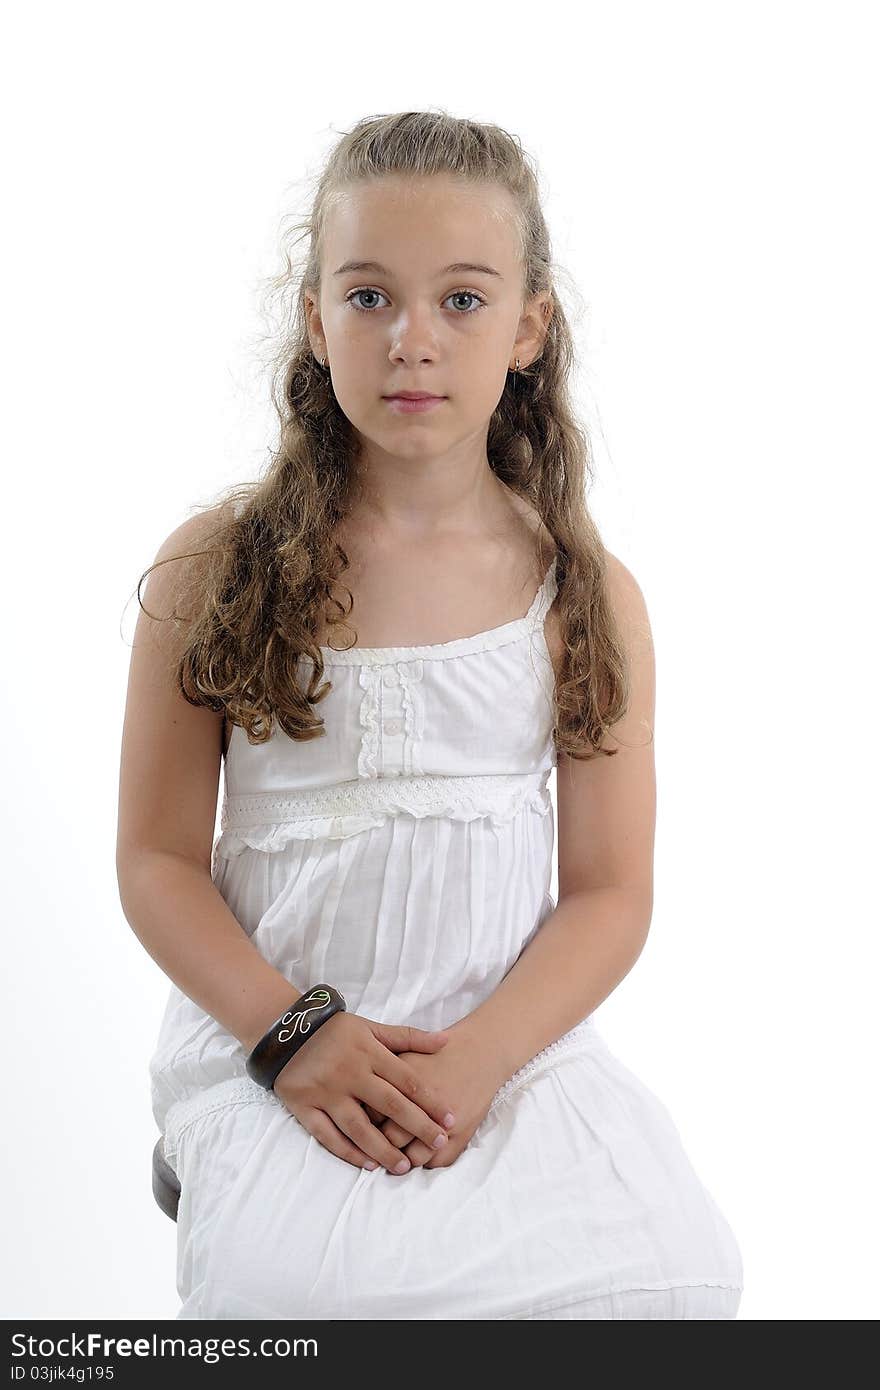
393	726
389	679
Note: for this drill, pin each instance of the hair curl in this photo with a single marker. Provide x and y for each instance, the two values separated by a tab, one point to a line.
259	592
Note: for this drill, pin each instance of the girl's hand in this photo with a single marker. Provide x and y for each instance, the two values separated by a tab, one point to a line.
353	1064
470	1085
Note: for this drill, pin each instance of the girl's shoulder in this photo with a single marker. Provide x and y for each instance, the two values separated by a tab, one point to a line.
537	529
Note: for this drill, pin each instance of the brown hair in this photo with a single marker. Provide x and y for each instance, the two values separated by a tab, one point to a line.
257	594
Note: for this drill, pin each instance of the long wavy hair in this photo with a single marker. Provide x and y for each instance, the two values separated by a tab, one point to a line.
256	594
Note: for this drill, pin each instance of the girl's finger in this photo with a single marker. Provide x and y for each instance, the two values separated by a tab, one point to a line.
419	1153
322	1128
396	1135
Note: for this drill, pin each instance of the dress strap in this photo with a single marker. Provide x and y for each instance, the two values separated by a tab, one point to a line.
545	596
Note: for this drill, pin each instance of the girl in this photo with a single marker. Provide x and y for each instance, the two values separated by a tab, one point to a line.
452	1139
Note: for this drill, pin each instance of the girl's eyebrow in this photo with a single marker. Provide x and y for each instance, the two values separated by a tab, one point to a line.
457	268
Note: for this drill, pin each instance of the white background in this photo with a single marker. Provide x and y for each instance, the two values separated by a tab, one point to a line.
709	178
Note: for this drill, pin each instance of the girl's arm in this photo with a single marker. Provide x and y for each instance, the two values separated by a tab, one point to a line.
606	819
179	916
168	786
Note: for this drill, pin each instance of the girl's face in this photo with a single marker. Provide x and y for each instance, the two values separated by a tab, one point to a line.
417	319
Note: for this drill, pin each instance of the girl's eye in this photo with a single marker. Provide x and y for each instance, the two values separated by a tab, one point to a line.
456	294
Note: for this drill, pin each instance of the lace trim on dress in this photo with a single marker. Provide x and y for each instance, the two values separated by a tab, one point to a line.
576	1040
413	715
241	1090
236	1090
369	721
370	680
269	822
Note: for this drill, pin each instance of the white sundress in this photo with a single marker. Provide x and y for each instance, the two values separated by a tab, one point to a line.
405	857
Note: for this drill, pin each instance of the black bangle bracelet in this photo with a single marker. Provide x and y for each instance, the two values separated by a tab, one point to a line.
290	1031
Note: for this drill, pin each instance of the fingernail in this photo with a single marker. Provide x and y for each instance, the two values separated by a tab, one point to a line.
371	1165
402	1166
449	1119
440	1141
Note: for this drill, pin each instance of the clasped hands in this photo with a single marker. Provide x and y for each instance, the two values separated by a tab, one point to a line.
469	1083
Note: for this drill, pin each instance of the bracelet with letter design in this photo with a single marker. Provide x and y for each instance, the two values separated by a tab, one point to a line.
290	1031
